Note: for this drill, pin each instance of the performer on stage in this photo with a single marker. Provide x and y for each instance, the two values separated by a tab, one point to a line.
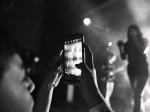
134	50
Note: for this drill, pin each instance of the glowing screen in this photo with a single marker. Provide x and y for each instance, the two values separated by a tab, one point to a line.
73	55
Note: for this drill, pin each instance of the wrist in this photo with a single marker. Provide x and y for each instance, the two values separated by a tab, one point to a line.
93	97
47	80
47	85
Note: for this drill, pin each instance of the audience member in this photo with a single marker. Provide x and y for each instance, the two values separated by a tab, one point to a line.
15	85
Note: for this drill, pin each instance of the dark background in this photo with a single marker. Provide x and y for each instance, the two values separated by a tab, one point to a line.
39	26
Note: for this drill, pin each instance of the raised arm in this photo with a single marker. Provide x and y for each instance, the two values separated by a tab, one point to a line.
89	86
51	80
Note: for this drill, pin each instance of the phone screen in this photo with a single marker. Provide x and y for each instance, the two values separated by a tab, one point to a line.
73	55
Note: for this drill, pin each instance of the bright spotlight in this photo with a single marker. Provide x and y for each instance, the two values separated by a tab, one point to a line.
87	21
36	59
146	50
109	43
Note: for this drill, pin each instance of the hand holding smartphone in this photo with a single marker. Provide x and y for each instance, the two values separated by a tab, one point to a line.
73	54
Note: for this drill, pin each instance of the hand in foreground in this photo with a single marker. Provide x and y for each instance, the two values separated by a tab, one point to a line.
88	77
89	86
54	71
51	79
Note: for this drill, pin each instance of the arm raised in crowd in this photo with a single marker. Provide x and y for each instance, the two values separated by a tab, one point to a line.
89	85
52	77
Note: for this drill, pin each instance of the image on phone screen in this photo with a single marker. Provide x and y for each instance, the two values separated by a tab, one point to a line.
73	55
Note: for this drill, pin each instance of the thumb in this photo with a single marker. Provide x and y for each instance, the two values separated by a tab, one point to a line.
82	66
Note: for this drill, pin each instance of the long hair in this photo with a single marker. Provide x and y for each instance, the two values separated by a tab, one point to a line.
139	34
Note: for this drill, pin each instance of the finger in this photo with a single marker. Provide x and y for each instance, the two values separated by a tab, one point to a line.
57	65
60	71
57	58
87	74
82	66
57	80
89	56
59	53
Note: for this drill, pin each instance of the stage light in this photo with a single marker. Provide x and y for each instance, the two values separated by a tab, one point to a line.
109	43
146	50
87	21
36	59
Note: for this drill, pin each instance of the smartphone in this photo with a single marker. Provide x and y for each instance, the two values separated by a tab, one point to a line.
73	54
